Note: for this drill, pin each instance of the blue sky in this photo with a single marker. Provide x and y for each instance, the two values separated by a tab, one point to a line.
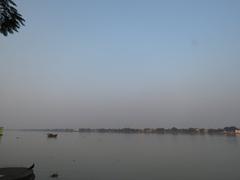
122	64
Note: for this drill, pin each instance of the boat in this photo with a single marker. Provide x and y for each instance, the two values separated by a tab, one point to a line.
17	173
50	135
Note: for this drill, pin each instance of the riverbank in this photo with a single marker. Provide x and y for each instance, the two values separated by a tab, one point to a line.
220	131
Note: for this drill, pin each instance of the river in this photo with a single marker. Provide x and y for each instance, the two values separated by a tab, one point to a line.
90	156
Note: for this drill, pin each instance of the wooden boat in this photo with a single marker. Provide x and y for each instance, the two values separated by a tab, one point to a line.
50	135
17	173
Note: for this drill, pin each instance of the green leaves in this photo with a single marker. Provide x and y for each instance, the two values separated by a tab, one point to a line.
10	19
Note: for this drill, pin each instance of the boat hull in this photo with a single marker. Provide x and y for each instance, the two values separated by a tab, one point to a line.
17	173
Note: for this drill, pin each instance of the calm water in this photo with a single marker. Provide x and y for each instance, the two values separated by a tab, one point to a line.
122	156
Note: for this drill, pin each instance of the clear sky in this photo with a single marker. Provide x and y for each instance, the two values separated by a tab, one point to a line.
122	63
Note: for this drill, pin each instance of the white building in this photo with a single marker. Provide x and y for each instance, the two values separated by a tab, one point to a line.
237	131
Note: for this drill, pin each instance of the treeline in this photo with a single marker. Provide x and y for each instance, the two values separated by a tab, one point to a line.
172	130
232	130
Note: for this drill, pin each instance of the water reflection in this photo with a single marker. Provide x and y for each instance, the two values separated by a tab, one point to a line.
120	156
232	139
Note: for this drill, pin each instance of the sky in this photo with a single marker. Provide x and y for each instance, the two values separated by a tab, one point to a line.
117	64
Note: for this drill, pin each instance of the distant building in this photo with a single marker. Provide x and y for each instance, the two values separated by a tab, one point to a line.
231	130
237	131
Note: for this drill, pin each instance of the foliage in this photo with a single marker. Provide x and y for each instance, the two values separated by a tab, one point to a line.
10	19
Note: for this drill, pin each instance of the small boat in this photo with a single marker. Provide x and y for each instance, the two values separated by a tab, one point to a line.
50	135
17	173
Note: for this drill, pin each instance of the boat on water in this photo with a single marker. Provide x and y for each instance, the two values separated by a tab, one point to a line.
17	173
50	135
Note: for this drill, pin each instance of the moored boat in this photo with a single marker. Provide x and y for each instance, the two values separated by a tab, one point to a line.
17	173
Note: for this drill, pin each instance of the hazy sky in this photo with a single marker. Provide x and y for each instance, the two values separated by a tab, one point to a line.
122	63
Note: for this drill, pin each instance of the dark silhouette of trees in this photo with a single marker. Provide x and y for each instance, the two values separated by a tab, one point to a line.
10	19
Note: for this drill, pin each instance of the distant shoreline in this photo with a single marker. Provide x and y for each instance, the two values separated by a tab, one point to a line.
226	130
